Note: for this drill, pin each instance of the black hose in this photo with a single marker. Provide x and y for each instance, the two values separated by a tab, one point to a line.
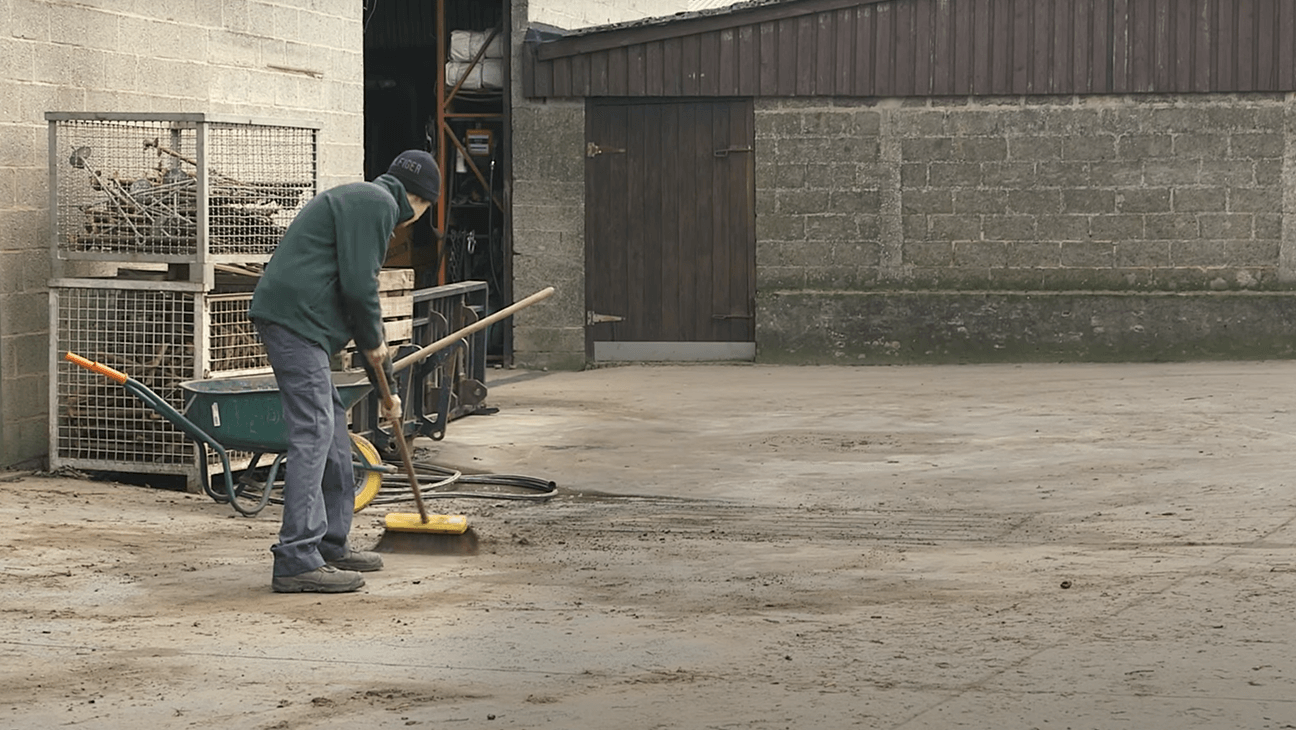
395	487
532	488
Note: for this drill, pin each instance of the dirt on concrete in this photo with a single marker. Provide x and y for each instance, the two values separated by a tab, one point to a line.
1065	546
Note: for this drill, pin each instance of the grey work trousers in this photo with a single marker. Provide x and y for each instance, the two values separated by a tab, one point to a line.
319	483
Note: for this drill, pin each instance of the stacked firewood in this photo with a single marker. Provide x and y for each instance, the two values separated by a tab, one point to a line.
104	418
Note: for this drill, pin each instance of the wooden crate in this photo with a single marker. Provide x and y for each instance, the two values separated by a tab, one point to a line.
396	297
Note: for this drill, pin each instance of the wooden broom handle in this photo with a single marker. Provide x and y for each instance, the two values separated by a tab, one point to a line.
398	432
480	324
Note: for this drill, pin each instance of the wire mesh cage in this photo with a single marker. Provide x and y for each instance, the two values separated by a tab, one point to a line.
176	187
161	334
148	333
234	343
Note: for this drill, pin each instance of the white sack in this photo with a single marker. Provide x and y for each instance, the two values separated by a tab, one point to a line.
489	74
464	45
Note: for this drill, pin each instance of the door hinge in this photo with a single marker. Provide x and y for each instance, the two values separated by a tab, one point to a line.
593	150
593	318
733	316
730	150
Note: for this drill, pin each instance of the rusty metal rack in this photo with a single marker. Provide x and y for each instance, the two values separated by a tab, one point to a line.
183	189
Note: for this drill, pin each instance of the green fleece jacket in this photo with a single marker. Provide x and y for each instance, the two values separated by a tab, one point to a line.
322	281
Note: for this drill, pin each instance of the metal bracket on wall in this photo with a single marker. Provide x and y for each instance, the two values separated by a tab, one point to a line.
593	150
592	318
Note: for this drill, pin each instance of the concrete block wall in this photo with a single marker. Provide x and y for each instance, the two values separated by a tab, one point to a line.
1102	193
823	192
287	59
877	202
1094	193
548	202
549	234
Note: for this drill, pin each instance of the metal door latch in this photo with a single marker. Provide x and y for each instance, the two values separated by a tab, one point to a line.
593	318
593	150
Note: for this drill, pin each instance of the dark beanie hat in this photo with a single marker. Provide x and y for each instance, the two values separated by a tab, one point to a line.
418	171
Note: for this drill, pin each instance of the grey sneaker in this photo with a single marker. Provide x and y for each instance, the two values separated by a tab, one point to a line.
324	579
362	561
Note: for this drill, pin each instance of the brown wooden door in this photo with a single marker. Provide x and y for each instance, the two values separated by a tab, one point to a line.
670	242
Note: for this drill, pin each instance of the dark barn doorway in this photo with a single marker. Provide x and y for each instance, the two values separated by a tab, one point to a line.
436	78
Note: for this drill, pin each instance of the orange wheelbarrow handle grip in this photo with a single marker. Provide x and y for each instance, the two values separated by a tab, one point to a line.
93	366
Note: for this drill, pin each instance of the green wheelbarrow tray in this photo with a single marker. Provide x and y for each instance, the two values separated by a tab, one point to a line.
246	413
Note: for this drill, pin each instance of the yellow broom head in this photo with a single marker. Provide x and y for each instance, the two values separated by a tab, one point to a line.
439	524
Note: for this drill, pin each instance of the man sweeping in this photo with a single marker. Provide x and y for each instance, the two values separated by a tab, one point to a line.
320	291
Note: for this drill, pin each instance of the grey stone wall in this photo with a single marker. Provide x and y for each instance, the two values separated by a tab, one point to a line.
548	202
894	206
548	233
288	60
824	195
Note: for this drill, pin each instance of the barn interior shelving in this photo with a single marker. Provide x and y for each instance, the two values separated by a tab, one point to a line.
437	78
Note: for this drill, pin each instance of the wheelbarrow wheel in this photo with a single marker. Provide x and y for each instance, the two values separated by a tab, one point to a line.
367	481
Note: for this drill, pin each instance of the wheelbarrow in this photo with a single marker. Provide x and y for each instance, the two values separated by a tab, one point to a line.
246	413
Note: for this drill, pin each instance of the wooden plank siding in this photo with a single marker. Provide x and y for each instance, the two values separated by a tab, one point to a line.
885	48
670	221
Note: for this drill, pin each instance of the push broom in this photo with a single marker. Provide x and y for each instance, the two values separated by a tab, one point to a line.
423	523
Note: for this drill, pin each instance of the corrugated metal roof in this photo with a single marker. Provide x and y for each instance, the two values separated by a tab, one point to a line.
930	47
713	8
698	5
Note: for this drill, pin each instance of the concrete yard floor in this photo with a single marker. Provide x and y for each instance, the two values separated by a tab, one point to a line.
733	546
